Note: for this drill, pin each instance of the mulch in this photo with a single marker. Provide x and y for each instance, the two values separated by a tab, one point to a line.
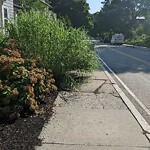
22	134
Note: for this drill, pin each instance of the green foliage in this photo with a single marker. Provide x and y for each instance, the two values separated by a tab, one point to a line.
120	16
29	4
76	10
61	48
3	39
142	40
115	17
141	36
23	86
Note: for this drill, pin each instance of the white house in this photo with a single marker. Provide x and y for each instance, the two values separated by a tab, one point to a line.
8	9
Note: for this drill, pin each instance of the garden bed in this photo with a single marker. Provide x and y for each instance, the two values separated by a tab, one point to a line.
23	133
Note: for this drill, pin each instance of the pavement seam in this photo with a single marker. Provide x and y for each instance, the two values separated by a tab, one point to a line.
142	122
96	145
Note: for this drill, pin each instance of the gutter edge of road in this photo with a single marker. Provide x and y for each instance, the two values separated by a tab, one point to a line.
134	46
141	121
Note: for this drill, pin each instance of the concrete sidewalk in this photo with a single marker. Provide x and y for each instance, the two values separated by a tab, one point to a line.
93	118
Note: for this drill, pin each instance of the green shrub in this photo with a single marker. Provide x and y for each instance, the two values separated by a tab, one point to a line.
23	86
3	38
141	37
141	40
61	48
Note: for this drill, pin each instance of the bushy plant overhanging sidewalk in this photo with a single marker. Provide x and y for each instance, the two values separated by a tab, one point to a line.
38	47
23	85
60	47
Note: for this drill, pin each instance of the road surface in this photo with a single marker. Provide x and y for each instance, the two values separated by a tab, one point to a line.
132	66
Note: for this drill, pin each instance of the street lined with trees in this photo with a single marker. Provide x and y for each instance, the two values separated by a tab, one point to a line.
130	17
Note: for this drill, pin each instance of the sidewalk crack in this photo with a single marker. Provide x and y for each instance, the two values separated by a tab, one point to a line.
96	91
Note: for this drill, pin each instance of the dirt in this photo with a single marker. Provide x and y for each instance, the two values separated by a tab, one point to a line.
22	134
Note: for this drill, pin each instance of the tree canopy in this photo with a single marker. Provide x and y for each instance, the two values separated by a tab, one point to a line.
31	4
119	16
76	10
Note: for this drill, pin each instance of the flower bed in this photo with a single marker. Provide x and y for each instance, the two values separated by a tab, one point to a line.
23	83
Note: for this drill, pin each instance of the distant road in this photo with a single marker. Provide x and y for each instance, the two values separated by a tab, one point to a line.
132	66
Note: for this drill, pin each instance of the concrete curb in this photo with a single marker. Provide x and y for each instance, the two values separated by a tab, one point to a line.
142	122
134	46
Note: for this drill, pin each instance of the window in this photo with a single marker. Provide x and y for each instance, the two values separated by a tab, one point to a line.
5	15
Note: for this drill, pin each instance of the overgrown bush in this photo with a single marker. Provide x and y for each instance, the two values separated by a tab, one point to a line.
23	86
61	48
141	37
142	40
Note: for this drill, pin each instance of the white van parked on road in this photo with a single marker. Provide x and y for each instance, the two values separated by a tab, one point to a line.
117	39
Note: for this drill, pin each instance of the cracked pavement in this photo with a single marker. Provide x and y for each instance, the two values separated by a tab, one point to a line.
91	118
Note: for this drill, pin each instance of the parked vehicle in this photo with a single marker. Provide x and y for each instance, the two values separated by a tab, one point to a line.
117	39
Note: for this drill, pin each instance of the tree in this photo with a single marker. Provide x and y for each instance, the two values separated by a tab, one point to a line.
76	10
120	16
30	4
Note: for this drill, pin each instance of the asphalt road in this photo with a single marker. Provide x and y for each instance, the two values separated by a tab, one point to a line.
132	66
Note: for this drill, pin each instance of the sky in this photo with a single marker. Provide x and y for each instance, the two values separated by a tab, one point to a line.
95	5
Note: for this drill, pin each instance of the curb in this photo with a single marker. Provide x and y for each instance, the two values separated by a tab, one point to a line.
141	121
134	46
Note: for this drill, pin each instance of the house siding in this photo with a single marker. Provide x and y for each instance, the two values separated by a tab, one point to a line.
9	5
12	9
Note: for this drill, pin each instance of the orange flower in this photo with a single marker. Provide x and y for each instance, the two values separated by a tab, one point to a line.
47	90
42	98
15	92
14	73
32	95
38	70
25	74
28	88
15	53
42	83
34	106
22	68
18	76
17	60
6	50
30	101
31	90
33	64
52	80
39	76
33	80
48	85
54	87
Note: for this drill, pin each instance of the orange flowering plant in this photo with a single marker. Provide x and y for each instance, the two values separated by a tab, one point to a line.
23	85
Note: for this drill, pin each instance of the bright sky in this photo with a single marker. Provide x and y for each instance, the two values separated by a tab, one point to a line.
95	5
